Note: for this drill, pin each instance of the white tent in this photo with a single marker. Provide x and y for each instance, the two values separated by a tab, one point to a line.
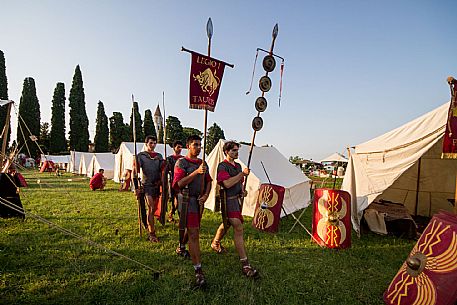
124	157
62	160
84	163
403	166
104	161
75	159
279	169
335	157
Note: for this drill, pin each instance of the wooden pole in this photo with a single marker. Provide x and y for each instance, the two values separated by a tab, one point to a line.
5	134
455	195
417	186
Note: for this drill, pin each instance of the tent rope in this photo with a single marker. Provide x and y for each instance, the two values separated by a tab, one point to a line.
12	206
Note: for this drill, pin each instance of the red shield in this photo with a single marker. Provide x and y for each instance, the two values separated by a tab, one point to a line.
332	218
429	275
268	208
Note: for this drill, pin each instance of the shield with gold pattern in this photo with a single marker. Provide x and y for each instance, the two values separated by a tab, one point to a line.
332	218
429	274
268	208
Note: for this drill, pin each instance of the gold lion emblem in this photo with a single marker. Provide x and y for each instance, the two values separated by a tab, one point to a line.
208	81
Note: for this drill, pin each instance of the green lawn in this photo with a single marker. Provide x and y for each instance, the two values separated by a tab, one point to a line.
41	265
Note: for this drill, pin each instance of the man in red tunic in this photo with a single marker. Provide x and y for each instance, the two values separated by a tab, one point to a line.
98	181
230	177
191	178
171	161
151	164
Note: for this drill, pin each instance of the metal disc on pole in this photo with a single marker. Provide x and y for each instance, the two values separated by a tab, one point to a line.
261	104
269	63
257	123
265	84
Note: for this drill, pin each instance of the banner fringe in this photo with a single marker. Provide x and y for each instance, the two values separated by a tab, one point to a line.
201	107
449	156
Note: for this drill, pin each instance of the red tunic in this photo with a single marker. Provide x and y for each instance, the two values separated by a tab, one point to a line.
96	181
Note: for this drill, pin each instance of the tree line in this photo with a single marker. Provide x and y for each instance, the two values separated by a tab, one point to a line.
109	133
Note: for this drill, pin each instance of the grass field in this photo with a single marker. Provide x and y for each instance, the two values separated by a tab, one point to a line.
41	265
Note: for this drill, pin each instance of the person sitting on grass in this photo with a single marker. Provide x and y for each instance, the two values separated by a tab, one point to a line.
98	181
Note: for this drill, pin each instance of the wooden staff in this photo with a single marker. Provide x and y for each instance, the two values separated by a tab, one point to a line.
5	133
251	148
209	33
135	168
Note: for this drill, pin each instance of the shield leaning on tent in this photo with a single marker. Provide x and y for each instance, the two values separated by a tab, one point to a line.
429	274
332	218
268	208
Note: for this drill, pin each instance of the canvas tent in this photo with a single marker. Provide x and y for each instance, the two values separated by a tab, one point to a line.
84	162
104	161
279	169
124	156
403	166
62	161
335	157
75	159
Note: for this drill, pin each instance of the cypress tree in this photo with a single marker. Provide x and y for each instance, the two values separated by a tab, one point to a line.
44	137
138	124
215	133
160	135
118	131
79	123
3	95
58	143
101	139
148	124
174	130
189	131
29	118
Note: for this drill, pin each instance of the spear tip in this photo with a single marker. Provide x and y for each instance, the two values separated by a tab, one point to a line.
209	28
275	31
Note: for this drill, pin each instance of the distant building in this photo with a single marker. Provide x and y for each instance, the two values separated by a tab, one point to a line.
158	120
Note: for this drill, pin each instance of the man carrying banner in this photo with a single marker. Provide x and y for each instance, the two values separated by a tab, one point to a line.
194	189
151	164
171	161
230	177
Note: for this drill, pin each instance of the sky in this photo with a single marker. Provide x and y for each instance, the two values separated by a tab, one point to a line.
353	69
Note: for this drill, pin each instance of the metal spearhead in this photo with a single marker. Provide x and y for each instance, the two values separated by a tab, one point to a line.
209	28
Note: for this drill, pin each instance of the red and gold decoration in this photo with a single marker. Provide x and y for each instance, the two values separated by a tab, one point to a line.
205	81
429	274
332	218
268	208
450	136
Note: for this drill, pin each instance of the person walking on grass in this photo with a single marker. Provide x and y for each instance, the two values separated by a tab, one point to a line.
230	177
171	161
152	164
190	174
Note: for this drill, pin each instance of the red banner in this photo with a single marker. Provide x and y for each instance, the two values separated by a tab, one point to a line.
332	218
450	136
268	208
429	275
205	81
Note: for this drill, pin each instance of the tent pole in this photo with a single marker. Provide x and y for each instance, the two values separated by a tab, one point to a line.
455	195
417	185
6	128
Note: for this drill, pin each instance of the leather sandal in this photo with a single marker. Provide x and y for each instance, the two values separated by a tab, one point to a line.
200	281
153	238
218	248
182	252
250	272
